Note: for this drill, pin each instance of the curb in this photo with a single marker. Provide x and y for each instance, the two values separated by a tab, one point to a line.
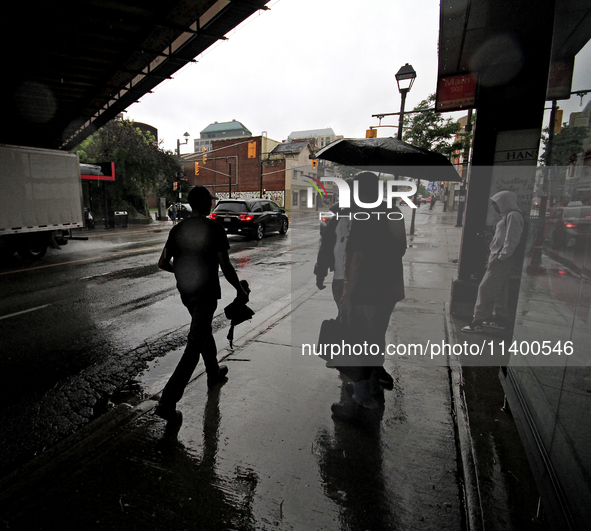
469	467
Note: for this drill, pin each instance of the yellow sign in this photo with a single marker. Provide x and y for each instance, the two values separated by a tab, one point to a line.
252	150
371	133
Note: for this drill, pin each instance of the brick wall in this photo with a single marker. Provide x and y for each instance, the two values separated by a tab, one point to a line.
246	172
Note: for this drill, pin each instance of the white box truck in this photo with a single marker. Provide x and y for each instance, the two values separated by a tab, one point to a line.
40	199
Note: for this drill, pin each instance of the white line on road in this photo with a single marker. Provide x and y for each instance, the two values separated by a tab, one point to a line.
24	311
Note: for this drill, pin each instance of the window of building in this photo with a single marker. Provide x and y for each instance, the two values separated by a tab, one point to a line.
294	199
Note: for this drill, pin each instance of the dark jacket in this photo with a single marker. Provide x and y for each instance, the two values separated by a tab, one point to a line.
325	258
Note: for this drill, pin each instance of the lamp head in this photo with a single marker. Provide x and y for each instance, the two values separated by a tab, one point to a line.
405	77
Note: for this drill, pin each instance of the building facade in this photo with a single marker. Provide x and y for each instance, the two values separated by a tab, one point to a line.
238	168
220	131
317	138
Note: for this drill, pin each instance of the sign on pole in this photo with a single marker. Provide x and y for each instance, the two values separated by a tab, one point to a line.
455	93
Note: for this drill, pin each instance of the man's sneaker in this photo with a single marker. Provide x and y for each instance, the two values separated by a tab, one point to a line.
386	380
356	414
474	327
494	325
166	412
174	424
219	377
376	393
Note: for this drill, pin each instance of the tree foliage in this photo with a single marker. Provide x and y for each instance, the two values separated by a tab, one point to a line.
429	130
140	164
566	146
345	172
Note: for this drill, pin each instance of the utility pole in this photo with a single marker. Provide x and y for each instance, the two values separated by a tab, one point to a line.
465	170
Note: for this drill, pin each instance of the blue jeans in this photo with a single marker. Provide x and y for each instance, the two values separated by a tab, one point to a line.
200	341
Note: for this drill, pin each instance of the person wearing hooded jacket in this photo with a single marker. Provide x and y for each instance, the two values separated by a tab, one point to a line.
491	310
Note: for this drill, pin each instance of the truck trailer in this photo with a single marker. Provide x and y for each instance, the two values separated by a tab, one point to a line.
40	199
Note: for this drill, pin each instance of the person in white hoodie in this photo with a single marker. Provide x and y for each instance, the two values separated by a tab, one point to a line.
490	310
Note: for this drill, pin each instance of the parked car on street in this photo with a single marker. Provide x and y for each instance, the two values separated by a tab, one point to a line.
576	217
184	210
250	217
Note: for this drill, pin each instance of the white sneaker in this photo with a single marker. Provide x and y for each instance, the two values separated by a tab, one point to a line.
493	325
473	328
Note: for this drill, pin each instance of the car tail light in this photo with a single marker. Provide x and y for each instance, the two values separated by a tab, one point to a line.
213	215
570	226
246	217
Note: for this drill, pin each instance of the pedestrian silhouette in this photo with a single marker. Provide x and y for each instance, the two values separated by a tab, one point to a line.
373	284
172	212
331	253
194	251
491	309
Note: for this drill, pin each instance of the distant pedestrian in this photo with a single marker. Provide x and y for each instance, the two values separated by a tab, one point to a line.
172	212
491	309
194	251
331	254
433	201
373	285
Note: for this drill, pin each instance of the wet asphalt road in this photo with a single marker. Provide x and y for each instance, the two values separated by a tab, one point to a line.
79	326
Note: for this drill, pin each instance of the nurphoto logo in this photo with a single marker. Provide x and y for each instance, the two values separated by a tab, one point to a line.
345	197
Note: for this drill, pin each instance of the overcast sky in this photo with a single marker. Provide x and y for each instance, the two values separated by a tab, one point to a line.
310	64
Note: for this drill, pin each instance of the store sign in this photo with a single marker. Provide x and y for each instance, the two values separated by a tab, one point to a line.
455	93
560	79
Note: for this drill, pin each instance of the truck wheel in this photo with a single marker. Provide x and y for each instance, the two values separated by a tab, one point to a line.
32	248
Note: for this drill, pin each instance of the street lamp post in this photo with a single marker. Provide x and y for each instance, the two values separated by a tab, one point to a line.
178	153
405	78
179	143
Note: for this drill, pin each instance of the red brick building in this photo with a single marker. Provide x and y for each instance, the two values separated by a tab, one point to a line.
239	168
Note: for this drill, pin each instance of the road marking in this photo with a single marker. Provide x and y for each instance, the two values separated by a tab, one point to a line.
82	260
24	311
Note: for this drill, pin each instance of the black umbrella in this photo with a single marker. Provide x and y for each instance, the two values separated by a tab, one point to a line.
392	156
237	312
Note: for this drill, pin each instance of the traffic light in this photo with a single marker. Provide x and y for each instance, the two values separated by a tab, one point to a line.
558	122
204	155
314	164
196	168
175	186
252	150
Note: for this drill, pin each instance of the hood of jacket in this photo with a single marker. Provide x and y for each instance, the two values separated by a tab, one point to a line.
506	200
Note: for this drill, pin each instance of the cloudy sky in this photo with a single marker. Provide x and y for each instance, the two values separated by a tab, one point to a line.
310	64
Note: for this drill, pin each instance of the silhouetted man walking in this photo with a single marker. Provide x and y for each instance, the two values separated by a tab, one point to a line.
193	252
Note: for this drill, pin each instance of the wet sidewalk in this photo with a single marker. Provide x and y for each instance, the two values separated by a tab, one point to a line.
262	451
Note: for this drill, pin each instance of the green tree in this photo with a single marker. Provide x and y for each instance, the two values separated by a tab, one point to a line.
566	146
429	130
345	172
140	164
